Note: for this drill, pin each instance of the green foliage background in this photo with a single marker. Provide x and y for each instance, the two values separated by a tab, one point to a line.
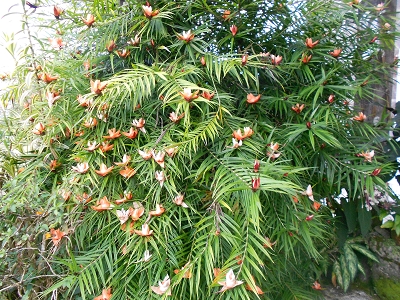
227	219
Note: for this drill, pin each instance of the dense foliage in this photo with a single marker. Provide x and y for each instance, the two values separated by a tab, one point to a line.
192	149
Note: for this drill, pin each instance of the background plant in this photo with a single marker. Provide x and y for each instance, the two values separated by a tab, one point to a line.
258	176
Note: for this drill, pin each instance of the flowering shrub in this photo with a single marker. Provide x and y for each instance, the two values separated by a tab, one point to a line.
185	149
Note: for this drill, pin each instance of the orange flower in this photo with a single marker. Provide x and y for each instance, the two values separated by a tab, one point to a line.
81	168
207	95
230	281
160	177
54	165
92	146
84	198
145	230
380	7
137	211
104	171
257	289
105	146
163	287
175	118
367	155
276	60
316	205
105	295
97	86
125	160
376	172
57	12
310	44
39	129
89	20
335	53
239	136
158	212
65	194
187	273
146	155
131	134
298	108
186	36
203	61
226	14
56	235
273	155
148	11
251	99
159	158
57	43
124	53
178	200
188	95
361	117
268	243
113	134
127	172
316	285
92	122
111	46
102	205
139	124
233	29
47	78
306	59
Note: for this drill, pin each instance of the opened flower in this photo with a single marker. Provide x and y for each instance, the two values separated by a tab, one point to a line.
106	146
257	289
52	98
163	287
178	200
316	285
104	171
97	86
298	108
139	124
89	20
56	235
148	11
57	43
159	157
158	212
145	230
136	211
230	281
92	122
310	44
361	117
131	134
127	172
57	12
81	168
236	144
105	295
367	155
207	95
47	78
102	205
84	102
335	53
251	99
186	274
276	60
247	132
123	215
113	134
226	14
186	36
175	118
125	160
160	177
188	95
146	155
135	41
268	243
39	129
306	58
380	7
171	151
124	53
309	193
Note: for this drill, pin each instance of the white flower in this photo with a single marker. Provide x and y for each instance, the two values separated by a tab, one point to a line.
387	218
163	287
230	281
